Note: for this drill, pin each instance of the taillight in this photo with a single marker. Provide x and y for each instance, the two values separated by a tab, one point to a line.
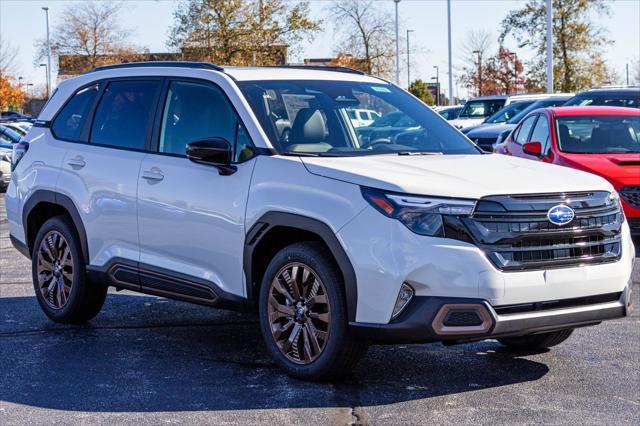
19	150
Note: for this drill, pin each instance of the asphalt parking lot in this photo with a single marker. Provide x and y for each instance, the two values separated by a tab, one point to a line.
148	360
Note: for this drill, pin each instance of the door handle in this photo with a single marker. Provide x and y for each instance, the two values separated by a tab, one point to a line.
155	174
77	162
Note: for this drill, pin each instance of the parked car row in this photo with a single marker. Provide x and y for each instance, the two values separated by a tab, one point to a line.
10	134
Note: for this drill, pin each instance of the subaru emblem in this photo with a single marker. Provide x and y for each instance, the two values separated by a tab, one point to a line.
560	215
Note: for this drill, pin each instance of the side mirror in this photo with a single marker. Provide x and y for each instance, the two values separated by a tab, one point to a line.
212	151
533	148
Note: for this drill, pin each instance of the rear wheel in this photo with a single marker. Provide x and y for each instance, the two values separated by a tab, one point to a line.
58	270
537	341
303	316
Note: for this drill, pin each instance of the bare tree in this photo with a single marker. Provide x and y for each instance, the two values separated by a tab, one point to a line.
90	28
8	55
365	33
476	49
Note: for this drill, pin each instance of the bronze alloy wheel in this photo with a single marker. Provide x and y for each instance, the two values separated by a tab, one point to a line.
55	269
299	313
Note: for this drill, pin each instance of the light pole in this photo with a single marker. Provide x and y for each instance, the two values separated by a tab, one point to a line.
397	45
437	85
627	74
46	70
46	12
450	62
549	47
479	71
408	60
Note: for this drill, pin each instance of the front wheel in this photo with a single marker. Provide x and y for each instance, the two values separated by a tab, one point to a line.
537	341
303	315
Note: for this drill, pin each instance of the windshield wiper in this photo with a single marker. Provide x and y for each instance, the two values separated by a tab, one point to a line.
300	154
419	153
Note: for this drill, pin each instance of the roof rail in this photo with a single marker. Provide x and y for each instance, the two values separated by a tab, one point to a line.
180	64
320	68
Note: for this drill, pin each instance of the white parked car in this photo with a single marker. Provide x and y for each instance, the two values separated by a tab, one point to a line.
172	179
362	117
477	110
5	167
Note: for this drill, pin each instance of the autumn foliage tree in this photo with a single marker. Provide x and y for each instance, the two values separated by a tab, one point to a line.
240	32
420	90
11	95
578	44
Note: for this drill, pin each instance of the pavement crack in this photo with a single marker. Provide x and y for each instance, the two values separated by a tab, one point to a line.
19	333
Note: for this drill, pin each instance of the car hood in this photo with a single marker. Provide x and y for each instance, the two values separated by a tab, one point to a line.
462	123
489	130
465	176
624	168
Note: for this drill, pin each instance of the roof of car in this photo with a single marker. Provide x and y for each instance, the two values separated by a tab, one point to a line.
283	72
635	91
563	111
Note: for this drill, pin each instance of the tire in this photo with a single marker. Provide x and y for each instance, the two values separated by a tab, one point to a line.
538	341
322	347
60	258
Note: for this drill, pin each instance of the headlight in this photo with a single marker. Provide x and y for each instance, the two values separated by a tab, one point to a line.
6	157
614	198
422	215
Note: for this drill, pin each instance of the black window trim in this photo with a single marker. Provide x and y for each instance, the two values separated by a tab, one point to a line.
154	146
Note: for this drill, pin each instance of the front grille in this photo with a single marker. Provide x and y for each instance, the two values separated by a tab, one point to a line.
460	318
631	194
634	226
516	234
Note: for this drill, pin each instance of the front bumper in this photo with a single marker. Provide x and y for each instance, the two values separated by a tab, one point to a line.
422	321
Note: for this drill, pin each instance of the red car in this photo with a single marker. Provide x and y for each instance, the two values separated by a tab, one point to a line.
600	140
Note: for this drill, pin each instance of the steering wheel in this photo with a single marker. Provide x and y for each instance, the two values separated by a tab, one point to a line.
375	142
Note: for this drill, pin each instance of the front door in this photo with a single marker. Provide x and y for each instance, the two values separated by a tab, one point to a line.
191	218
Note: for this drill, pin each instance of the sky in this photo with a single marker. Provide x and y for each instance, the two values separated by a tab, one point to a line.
22	22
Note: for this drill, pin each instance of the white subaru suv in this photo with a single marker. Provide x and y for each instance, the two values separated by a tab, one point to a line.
173	179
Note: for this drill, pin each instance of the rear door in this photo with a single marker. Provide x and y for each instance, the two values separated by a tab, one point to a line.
191	217
100	169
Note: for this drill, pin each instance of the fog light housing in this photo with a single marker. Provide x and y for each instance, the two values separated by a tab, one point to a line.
404	297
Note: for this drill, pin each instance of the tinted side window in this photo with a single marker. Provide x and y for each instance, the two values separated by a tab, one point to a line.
195	111
525	129
123	116
70	121
541	131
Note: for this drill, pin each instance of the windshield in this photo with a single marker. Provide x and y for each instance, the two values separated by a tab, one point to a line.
506	113
538	104
599	134
313	117
481	109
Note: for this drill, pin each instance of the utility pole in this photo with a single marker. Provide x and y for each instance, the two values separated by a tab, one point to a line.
408	60
437	85
450	64
397	45
627	74
549	47
479	71
46	12
46	70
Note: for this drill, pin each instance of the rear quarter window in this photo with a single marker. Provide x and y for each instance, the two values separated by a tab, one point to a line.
70	121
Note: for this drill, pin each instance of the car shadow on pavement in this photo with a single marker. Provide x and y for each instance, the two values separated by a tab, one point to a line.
144	354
